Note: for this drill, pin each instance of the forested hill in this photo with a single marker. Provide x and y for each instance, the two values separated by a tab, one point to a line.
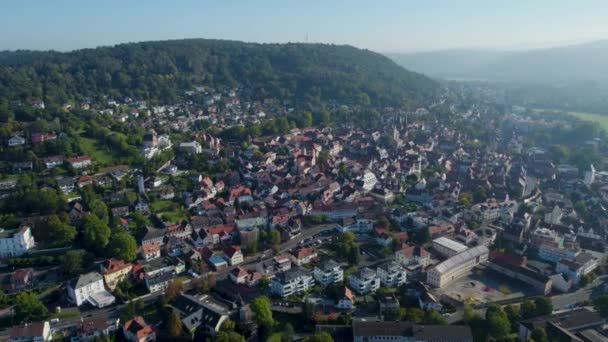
161	71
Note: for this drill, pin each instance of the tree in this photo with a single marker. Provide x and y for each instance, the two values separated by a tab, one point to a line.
174	288
228	325
320	337
174	325
499	325
415	315
29	308
288	333
539	335
465	199
123	246
434	317
3	299
469	314
229	336
263	314
543	305
59	233
100	209
96	233
601	305
72	262
527	309
275	237
421	236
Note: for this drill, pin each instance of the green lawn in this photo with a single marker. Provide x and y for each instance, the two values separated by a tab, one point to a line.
161	206
89	146
600	119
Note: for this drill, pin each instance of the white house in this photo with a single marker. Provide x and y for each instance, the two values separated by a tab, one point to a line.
391	274
583	263
16	242
192	147
413	255
16	140
294	281
330	272
89	288
364	281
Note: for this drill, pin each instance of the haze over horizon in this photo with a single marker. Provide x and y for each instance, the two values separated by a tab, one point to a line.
385	25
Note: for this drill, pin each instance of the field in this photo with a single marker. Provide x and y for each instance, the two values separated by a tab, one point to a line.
90	147
600	119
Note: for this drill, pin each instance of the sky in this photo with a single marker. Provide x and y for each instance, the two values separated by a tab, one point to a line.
380	25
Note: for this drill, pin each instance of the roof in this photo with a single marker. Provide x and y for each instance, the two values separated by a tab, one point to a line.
195	312
329	265
86	279
460	258
138	327
114	265
450	244
28	330
291	274
382	328
429	333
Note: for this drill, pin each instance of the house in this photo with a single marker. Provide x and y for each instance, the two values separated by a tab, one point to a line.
89	288
233	255
151	250
202	314
16	140
158	281
41	137
347	302
115	271
367	331
388	303
412	256
391	274
137	330
87	329
80	162
303	255
31	332
217	262
52	161
583	264
142	206
20	279
364	281
291	282
328	273
191	147
240	275
66	184
17	242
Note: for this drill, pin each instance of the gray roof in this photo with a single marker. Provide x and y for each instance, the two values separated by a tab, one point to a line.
329	265
291	274
460	258
85	279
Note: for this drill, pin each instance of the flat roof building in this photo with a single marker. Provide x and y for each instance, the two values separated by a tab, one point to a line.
457	266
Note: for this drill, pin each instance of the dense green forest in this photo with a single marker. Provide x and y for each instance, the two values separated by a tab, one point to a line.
160	71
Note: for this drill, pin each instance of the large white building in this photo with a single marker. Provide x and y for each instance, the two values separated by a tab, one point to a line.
448	247
16	242
293	281
89	288
391	274
457	266
329	272
364	281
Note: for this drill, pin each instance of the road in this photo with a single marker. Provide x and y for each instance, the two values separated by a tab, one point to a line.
587	293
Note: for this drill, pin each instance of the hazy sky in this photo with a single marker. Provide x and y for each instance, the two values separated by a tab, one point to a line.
381	25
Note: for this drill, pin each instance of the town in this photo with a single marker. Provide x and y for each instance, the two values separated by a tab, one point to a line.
256	220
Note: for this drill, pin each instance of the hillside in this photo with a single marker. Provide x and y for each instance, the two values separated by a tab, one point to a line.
550	66
160	71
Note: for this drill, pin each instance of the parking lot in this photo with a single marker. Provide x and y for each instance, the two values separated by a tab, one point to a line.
485	286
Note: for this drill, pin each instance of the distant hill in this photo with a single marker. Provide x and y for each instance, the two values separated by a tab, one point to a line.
160	71
550	66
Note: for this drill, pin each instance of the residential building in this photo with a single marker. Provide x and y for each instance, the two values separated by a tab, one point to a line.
52	161
80	162
159	280
303	255
15	243
457	266
240	275
16	140
20	279
391	274
388	303
564	326
115	271
89	288
87	329
328	273
583	264
447	247
233	255
192	147
31	332
515	267
151	250
366	331
364	281
291	282
412	256
203	314
347	302
137	330
554	253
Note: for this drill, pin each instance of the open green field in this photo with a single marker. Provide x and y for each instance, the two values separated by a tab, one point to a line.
600	119
90	147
